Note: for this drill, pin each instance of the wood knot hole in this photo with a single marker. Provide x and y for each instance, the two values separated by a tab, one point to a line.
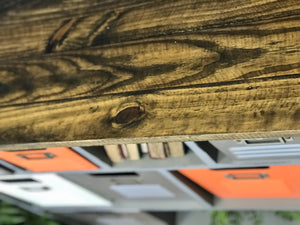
129	115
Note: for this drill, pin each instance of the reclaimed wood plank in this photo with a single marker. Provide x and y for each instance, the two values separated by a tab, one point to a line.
264	106
92	71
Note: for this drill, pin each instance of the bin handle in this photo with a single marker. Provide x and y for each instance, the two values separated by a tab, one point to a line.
247	176
37	156
36	189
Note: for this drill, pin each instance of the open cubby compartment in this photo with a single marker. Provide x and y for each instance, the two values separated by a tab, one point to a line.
205	151
98	156
95	155
145	190
257	152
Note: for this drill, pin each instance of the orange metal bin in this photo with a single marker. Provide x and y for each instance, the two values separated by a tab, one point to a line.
269	182
48	160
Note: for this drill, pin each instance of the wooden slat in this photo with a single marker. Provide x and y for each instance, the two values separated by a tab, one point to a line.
161	70
261	106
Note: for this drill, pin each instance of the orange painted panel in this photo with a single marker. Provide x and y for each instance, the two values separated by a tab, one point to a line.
271	182
48	160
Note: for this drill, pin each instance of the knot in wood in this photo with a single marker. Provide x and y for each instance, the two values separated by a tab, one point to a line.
129	115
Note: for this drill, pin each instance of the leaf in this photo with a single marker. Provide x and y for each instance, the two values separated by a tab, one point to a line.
9	210
220	218
10	220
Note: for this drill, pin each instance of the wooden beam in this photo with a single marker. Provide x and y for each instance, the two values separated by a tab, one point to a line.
131	71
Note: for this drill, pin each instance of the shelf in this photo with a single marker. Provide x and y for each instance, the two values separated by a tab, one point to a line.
98	156
236	153
144	190
280	204
162	172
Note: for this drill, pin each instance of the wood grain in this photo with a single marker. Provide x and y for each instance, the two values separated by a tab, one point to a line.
96	70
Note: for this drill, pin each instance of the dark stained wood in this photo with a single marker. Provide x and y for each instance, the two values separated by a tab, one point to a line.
104	70
267	106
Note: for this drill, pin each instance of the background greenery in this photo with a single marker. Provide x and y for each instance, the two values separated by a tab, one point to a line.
12	215
237	217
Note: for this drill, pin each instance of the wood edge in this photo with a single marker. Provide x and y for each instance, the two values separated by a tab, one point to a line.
183	138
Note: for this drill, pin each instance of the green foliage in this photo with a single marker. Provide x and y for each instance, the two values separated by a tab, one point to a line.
256	217
11	215
290	216
235	217
219	218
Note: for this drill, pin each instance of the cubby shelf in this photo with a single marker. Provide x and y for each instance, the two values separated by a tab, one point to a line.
163	172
